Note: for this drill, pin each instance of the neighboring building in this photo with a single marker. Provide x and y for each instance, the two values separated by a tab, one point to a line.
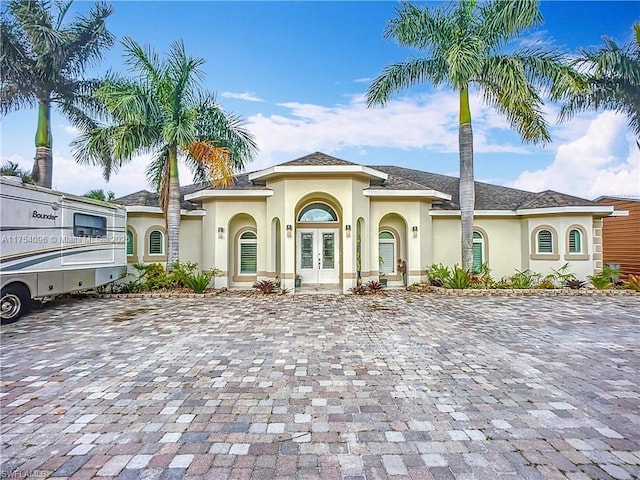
327	220
621	234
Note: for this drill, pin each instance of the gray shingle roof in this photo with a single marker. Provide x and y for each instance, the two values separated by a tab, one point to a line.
488	196
316	158
145	198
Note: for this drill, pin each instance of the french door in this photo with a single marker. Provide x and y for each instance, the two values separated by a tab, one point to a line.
317	255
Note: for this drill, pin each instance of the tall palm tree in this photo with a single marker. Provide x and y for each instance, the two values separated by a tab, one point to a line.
43	62
163	110
99	194
613	75
465	45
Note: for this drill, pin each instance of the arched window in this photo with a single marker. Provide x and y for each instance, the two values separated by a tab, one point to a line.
575	241
387	252
129	243
478	251
318	212
544	241
248	253
156	243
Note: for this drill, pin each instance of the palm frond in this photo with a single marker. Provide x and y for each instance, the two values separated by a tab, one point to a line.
398	76
225	130
211	163
157	173
503	20
612	82
143	60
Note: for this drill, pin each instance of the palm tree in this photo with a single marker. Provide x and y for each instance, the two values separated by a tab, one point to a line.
613	74
99	194
465	49
164	111
43	64
12	169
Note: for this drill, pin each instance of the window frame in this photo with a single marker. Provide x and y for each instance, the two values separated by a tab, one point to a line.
535	253
389	241
583	253
155	257
161	244
479	241
77	225
246	241
133	258
319	206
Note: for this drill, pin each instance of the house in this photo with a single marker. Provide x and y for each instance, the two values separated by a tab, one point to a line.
621	234
329	220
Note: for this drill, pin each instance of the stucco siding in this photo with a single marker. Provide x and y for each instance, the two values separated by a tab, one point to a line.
191	240
581	265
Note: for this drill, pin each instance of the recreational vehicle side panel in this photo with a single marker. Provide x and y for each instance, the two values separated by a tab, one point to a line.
54	243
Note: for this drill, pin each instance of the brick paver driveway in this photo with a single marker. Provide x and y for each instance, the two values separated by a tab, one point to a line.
330	387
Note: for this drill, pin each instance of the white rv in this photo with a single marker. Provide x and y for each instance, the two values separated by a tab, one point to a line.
54	243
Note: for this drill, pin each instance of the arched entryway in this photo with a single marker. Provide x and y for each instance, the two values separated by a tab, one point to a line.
318	242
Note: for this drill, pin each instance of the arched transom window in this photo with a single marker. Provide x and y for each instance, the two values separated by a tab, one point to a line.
318	212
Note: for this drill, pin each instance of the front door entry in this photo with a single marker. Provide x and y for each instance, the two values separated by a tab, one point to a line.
318	255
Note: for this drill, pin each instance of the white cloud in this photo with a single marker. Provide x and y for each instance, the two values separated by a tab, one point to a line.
604	160
248	96
363	80
71	130
429	122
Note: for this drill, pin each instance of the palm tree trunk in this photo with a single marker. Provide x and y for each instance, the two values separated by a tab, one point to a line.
43	164
173	208
467	187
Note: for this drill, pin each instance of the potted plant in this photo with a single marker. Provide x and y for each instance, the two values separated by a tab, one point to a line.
298	280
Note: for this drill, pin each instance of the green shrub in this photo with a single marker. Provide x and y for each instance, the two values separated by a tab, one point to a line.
437	274
179	272
484	277
559	277
524	279
199	282
600	281
546	283
458	278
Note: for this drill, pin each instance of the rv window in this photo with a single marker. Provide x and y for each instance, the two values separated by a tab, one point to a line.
89	225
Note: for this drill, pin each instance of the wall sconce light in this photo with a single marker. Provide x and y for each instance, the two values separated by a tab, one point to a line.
220	232
289	230
347	229
415	231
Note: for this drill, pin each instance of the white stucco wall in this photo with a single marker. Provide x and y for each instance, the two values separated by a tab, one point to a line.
561	224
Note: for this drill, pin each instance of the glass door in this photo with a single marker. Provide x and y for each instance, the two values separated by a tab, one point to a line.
317	257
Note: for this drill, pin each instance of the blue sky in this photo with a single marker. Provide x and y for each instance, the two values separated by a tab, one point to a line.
297	72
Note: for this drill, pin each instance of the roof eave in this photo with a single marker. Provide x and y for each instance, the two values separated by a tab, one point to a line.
600	211
204	194
314	169
432	194
158	210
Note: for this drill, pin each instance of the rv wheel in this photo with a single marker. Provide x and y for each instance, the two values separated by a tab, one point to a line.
15	302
